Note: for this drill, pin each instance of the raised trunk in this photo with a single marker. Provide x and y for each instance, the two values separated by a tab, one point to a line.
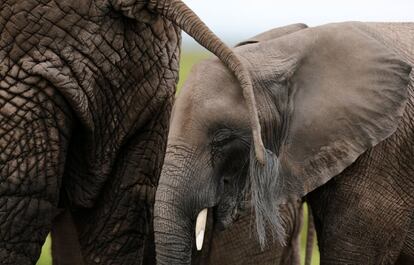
172	227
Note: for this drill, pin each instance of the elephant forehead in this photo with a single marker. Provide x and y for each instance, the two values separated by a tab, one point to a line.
209	79
211	96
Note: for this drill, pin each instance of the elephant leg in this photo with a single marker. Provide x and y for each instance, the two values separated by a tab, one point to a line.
118	229
35	124
361	216
65	242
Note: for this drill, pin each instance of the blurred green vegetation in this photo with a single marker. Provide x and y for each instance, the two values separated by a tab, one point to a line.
45	257
315	253
188	59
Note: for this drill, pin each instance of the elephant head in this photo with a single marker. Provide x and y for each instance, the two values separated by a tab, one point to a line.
325	95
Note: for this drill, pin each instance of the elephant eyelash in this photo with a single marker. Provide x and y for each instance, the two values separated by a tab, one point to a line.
227	140
225	136
221	142
217	149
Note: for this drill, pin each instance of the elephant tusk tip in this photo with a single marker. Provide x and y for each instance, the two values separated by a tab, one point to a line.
200	228
199	240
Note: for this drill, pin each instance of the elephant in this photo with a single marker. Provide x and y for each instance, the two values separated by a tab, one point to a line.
330	121
86	92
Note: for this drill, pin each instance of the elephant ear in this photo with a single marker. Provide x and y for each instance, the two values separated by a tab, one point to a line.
328	94
273	34
347	93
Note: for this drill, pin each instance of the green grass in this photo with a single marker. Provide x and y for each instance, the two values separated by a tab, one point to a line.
45	257
315	253
187	61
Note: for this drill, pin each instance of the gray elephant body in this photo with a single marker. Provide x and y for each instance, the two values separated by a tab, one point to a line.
79	78
336	105
370	203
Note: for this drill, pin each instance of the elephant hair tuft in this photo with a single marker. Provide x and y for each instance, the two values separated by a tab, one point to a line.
266	186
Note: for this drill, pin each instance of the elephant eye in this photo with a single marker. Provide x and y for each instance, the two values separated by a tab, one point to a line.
222	141
218	147
222	137
219	144
228	149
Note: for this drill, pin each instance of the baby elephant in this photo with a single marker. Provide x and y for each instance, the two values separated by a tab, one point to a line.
334	105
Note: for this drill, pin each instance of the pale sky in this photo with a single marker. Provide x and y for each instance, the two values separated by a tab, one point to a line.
235	20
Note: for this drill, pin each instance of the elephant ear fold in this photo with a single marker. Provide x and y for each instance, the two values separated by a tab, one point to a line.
347	94
273	34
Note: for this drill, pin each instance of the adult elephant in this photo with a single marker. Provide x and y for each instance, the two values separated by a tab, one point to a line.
86	89
336	102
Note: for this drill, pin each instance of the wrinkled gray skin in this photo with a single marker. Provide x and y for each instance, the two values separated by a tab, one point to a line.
86	90
85	100
336	106
236	246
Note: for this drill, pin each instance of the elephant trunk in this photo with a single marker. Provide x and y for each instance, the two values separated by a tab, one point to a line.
173	237
177	12
174	231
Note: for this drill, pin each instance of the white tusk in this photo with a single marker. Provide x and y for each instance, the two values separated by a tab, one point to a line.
200	228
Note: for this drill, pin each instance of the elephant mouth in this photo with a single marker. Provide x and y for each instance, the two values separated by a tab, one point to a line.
228	212
223	223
